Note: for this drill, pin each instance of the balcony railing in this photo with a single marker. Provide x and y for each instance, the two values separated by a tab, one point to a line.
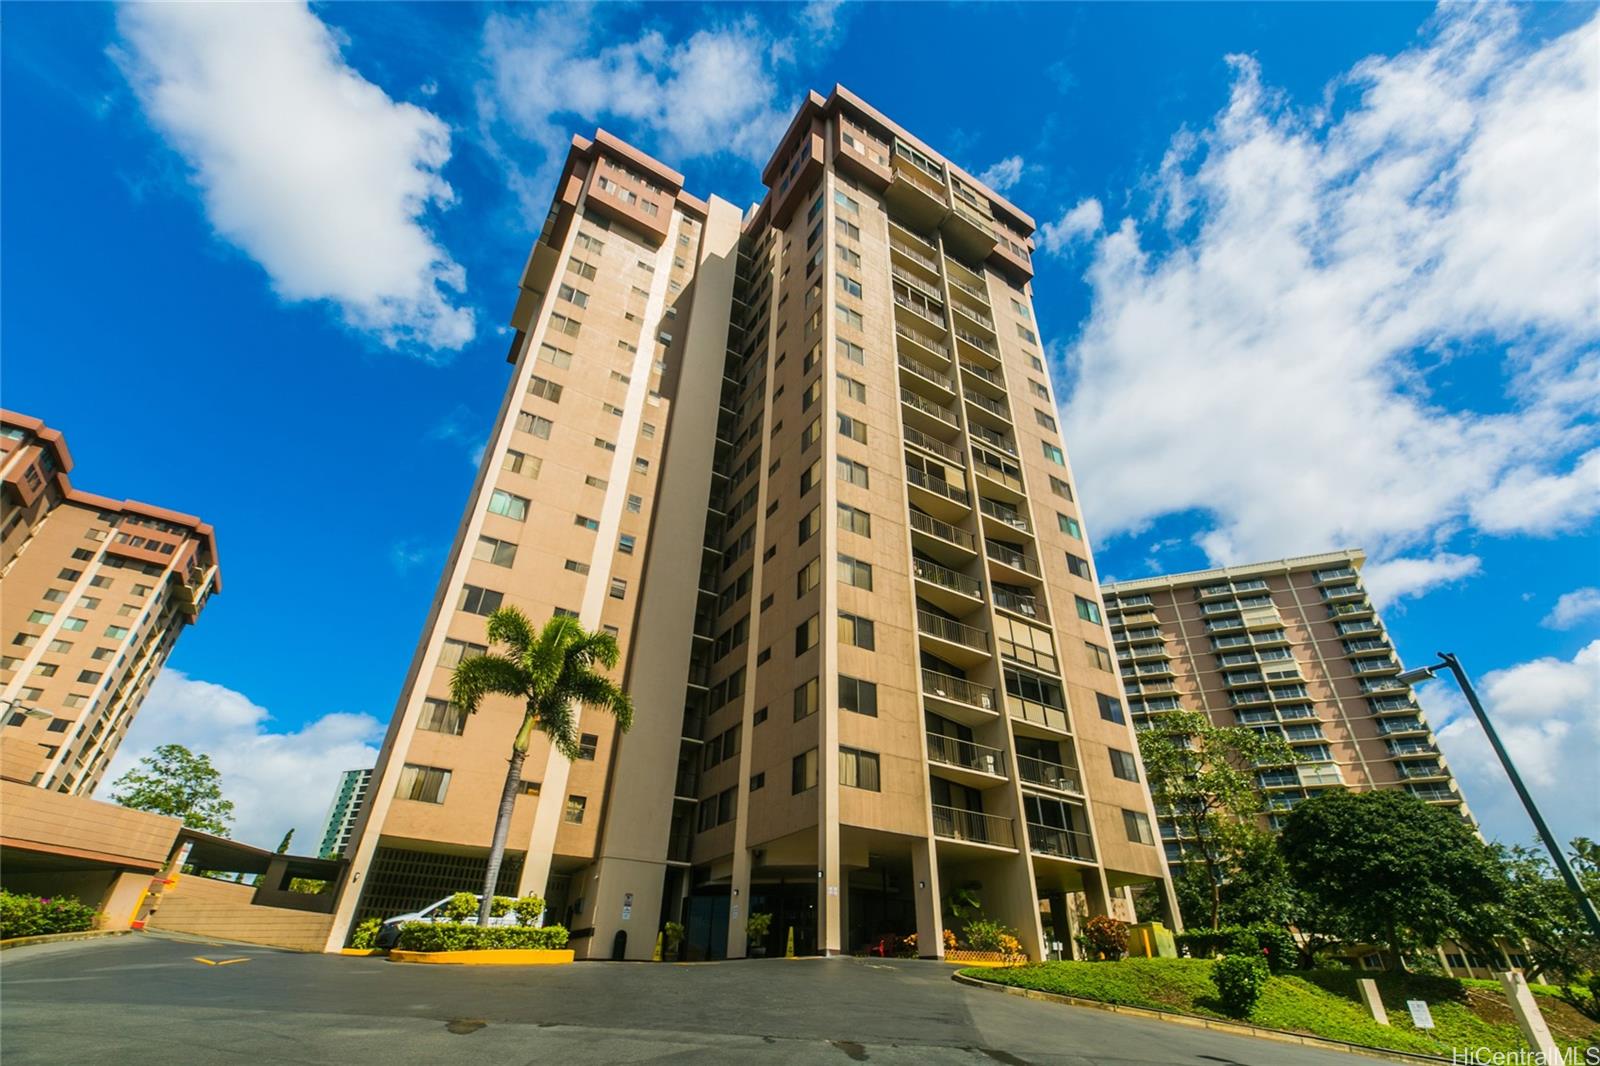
933	343
950	630
915	282
952	751
990	437
943	531
1049	774
913	435
945	577
1060	843
983	344
911	253
958	689
974	314
1001	513
1024	605
994	407
972	291
1014	559
924	310
953	823
927	373
939	411
938	486
991	376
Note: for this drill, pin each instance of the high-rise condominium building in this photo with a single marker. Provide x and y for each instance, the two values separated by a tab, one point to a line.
340	825
804	462
1292	647
96	593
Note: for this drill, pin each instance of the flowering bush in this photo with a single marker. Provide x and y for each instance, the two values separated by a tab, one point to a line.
24	915
1106	937
984	934
1010	946
950	940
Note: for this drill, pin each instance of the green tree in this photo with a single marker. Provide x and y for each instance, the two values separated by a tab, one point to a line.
174	781
1540	907
283	845
1386	868
1255	887
551	671
1203	776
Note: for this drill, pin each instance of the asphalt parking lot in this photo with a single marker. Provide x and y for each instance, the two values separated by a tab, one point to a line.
148	998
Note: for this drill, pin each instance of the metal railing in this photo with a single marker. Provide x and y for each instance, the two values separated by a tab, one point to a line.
915	282
952	751
938	486
931	343
994	471
985	373
977	294
983	344
945	577
943	531
1061	843
921	403
912	238
953	823
926	372
993	406
950	630
913	435
1001	513
1048	774
931	314
911	253
974	314
990	437
1014	559
959	689
1025	605
923	180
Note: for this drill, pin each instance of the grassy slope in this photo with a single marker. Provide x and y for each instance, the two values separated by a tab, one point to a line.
1321	1003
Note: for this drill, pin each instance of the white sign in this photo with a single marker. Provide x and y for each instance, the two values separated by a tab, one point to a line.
1421	1017
833	890
627	905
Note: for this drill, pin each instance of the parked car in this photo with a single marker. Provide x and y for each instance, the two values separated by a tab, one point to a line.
434	912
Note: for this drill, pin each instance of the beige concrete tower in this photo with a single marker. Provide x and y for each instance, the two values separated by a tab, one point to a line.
857	606
1293	647
97	591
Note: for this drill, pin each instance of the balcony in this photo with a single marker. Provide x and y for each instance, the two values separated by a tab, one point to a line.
978	341
1043	774
1319	774
953	641
968	228
1349	611
991	378
930	344
997	408
973	827
1334	574
1342	593
922	307
913	281
1013	560
1421	771
1004	475
941	388
941	540
936	495
1053	843
971	290
934	446
1434	793
973	314
971	764
194	584
927	413
915	195
1148	651
997	441
1019	603
945	588
902	250
1044	716
958	699
1373	667
1006	517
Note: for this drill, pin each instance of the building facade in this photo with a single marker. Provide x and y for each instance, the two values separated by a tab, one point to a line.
340	824
1293	647
804	462
97	591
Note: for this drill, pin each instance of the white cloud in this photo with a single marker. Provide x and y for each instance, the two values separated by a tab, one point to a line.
1398	579
276	780
1544	711
822	20
716	91
303	164
1080	222
1573	607
1271	357
1003	175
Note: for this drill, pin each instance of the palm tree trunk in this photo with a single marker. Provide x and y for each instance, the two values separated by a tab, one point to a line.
502	819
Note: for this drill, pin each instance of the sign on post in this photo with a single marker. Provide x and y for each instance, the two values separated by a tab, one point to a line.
1421	1017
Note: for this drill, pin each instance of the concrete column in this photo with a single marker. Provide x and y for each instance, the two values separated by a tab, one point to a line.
739	903
925	874
1374	1002
1529	1020
1171	916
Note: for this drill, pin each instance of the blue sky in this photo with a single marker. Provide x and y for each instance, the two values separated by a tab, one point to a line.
1311	276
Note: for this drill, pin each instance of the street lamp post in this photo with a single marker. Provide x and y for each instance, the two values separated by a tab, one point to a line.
1446	660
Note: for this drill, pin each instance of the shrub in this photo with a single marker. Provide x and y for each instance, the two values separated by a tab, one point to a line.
949	939
1273	942
528	909
365	938
463	906
25	915
451	936
1239	980
757	925
671	937
985	934
1106	936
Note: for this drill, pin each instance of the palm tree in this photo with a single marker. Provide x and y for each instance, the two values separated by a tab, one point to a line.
550	671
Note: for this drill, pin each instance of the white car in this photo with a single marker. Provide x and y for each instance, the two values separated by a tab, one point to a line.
434	912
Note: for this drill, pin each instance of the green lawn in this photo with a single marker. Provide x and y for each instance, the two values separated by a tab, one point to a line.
1318	1002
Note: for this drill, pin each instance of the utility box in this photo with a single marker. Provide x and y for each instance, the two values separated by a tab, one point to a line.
1151	940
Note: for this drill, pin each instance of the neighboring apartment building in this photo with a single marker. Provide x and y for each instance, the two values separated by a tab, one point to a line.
96	593
340	824
1293	647
804	462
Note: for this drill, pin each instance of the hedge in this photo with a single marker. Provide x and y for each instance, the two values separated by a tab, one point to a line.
1272	941
449	936
24	915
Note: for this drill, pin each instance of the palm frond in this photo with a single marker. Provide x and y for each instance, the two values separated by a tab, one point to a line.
477	676
603	694
547	653
556	722
509	626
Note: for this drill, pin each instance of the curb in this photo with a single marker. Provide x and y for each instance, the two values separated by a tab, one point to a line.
60	938
1282	1036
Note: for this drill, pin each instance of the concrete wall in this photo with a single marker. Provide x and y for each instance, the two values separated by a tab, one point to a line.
35	820
221	909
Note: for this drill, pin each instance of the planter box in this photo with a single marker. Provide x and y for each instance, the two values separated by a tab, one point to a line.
983	958
489	957
363	951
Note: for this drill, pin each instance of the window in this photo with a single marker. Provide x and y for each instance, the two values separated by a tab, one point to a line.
1123	765
60	725
854	520
619	589
852	388
1079	566
60	645
811	434
641	466
850	352
475	600
809	524
852	472
1088	610
850	285
1060	488
503	503
805	635
576	297
849	257
69	574
757	782
586	522
442	716
57	595
611	409
846	202
853	428
588	243
805	700
1044	420
545	389
576	567
847	317
1069	526
425	784
856	631
456	650
809	477
595	482
573	815
858	696
497	552
117	631
859	769
40	617
588	743
854	572
625	543
564	325
559	358
848	229
48	670
634	504
1138	827
804	773
605	445
1098	656
518	463
1053	453
808	576
1038	389
1027	334
1110	708
582	269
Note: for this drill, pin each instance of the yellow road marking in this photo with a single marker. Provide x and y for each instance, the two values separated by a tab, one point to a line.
220	962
